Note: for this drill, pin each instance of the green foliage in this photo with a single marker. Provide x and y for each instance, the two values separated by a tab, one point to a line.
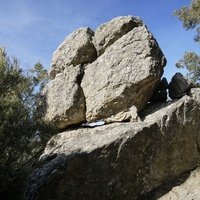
40	75
190	15
190	61
20	121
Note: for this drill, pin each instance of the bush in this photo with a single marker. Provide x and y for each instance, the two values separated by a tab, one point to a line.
23	132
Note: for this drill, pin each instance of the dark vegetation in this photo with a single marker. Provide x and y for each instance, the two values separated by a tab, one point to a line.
23	132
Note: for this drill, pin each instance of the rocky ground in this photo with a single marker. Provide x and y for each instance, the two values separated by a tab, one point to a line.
186	187
189	190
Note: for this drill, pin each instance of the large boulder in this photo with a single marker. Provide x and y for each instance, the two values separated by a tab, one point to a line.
120	160
124	76
64	98
106	34
179	86
76	49
115	86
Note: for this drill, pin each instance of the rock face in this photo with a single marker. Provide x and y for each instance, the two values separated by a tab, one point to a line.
109	32
110	75
121	160
195	94
65	98
113	86
77	49
179	86
188	190
124	76
185	187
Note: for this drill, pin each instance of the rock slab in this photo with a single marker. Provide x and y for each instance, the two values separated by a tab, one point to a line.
120	160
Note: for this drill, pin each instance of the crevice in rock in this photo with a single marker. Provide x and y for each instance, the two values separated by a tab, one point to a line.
79	81
80	76
93	124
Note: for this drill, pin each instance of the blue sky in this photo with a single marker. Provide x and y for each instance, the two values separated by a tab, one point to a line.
31	30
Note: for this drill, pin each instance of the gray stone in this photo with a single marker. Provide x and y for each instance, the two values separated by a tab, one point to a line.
65	101
120	160
106	34
195	94
114	87
179	86
189	190
76	49
124	76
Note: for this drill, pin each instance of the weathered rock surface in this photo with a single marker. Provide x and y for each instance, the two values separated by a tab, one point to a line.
120	160
110	75
113	87
64	98
189	190
77	49
184	187
179	86
195	94
106	34
124	76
